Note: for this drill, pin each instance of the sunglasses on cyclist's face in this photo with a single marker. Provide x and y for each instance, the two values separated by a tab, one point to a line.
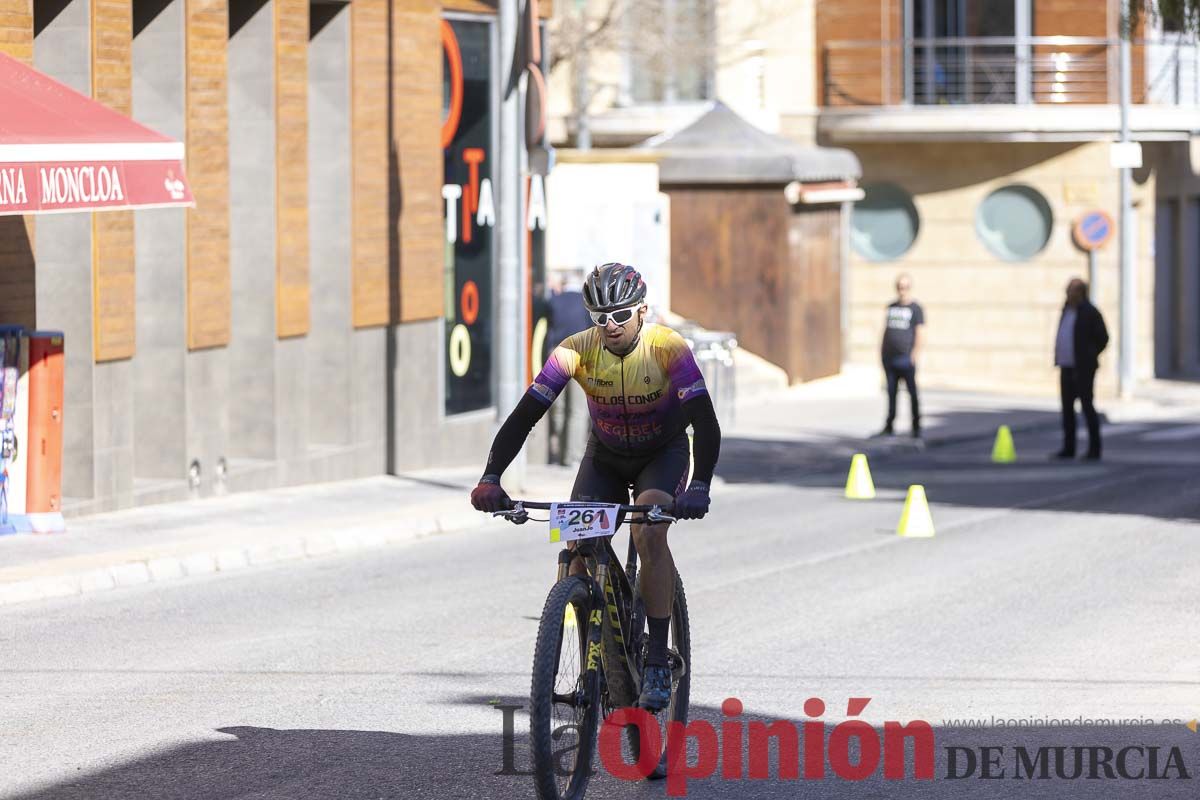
620	316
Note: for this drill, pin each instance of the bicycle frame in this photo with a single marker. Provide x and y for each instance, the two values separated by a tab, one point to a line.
612	590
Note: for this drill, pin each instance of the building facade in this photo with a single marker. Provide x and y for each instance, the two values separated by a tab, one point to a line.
983	128
984	131
642	68
310	318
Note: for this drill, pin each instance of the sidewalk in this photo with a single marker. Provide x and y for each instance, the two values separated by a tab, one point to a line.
222	534
818	424
849	408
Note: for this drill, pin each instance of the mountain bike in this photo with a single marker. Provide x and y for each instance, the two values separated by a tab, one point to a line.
591	645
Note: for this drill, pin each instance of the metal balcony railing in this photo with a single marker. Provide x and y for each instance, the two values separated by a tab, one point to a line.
1005	70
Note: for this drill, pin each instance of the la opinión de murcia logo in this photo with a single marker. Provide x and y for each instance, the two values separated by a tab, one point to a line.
1091	762
727	747
854	750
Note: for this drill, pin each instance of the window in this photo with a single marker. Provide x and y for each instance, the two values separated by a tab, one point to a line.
1014	222
884	224
670	46
948	64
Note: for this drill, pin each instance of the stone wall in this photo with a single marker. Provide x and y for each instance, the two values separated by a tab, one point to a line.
992	323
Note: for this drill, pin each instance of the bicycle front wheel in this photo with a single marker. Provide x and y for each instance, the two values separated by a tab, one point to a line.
565	696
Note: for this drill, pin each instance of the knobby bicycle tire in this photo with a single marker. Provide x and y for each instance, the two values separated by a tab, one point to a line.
620	685
546	658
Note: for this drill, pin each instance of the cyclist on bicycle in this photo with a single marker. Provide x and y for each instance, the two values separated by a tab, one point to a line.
643	389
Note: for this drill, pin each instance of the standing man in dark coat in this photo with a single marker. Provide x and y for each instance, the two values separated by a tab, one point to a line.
901	343
1081	338
566	315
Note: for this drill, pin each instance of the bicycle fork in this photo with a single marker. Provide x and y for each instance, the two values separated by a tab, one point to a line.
592	672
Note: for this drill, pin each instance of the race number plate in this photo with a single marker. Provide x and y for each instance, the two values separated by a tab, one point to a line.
571	521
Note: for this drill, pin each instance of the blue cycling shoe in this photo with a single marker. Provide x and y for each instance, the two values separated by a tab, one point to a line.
656	688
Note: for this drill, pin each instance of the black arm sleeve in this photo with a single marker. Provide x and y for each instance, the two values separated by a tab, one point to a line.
1101	331
706	443
513	433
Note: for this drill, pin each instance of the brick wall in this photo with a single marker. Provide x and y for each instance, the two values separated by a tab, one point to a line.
417	123
113	284
16	29
861	73
208	299
368	46
16	233
291	168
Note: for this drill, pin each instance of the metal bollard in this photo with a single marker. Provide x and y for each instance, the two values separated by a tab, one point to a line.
713	351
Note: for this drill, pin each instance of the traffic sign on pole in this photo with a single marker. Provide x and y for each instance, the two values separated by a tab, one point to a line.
1093	230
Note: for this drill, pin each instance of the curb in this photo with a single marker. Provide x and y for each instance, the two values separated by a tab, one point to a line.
154	567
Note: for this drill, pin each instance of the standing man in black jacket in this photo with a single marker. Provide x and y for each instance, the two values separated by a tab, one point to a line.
1081	338
566	316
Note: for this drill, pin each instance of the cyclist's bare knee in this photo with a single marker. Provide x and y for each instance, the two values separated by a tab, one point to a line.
654	497
651	540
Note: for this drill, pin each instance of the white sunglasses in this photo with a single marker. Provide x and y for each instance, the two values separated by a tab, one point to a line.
620	316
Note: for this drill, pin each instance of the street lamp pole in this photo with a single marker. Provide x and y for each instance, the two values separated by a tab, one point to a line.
1126	350
510	308
583	91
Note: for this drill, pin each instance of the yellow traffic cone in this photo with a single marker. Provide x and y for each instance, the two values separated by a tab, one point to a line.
1192	726
858	483
1003	451
915	520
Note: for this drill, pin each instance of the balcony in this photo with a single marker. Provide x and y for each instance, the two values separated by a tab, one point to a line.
1055	88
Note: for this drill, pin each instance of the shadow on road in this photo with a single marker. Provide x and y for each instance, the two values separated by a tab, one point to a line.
270	764
1149	473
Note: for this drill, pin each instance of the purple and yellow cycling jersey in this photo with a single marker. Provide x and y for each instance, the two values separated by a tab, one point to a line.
636	400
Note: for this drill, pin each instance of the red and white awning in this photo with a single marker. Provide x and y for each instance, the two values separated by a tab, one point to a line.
62	151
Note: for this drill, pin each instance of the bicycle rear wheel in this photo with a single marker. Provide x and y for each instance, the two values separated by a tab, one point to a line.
680	655
564	698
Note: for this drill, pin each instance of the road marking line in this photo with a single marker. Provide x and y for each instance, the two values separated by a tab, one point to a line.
1033	504
803	562
1172	434
1122	429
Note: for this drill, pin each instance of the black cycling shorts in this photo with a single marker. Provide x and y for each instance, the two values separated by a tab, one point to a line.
607	477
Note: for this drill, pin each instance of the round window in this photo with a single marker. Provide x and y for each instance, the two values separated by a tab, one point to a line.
1014	222
884	223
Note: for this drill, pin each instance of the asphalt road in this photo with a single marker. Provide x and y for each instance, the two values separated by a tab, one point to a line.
1057	591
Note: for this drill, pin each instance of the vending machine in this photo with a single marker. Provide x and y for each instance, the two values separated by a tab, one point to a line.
44	419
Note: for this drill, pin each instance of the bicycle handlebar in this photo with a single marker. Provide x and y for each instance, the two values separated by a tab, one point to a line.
628	509
519	513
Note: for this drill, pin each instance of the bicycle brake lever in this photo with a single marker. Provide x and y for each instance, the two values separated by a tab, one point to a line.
655	515
517	515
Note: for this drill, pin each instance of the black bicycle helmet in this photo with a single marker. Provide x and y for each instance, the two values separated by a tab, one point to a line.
612	286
